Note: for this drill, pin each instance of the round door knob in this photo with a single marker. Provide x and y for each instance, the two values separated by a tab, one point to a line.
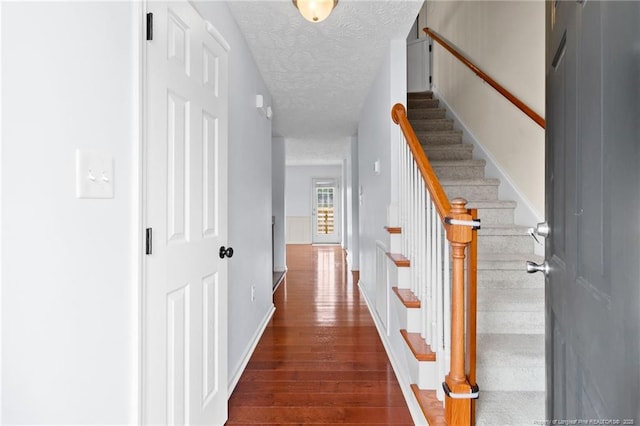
532	267
225	251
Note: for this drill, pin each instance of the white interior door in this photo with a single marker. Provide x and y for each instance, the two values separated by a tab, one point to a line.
185	294
326	211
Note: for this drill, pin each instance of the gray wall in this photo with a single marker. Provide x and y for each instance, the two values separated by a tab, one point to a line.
376	135
278	202
250	208
298	194
352	205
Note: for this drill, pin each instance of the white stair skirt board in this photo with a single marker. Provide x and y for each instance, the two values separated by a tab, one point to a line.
402	376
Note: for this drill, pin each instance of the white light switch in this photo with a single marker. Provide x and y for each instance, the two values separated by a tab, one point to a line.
94	175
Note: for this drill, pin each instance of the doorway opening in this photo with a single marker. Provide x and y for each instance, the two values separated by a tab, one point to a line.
326	213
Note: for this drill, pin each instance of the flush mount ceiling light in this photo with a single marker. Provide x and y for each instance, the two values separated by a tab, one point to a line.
315	10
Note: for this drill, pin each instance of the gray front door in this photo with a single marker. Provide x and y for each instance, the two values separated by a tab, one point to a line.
593	209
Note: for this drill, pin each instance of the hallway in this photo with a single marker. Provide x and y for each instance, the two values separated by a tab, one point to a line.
320	360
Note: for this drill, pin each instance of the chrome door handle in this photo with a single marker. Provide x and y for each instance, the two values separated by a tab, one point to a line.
542	229
533	267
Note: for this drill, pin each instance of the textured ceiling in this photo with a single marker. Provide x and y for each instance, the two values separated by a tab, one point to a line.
319	74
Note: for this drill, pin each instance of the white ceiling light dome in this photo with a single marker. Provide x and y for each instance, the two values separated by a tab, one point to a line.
315	10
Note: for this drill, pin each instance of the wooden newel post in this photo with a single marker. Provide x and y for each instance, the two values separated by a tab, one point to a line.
458	411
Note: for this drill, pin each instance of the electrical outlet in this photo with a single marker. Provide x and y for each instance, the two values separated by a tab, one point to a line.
253	293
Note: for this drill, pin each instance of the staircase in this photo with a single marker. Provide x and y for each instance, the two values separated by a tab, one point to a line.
510	320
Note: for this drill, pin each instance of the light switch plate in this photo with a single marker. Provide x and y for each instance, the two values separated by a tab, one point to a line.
94	175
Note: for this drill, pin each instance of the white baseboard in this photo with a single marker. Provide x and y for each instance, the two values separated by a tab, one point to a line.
525	213
405	385
252	347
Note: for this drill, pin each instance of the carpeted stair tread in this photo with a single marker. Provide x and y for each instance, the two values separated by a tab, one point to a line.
471	189
508	259
512	408
459	169
431	124
428	113
504	230
439	137
511	300
458	163
420	95
449	152
417	105
522	350
489	204
470	182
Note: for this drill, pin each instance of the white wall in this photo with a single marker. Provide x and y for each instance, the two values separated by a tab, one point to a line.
250	208
376	135
69	266
352	206
70	79
278	197
507	40
299	198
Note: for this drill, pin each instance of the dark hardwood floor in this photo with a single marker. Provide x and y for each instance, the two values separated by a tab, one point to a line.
320	360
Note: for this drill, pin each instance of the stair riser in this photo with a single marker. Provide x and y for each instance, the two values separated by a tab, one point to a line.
420	95
496	216
512	408
459	172
509	279
505	244
422	373
415	105
402	276
513	300
431	113
419	125
501	377
423	112
472	192
408	318
448	153
427	138
510	322
395	243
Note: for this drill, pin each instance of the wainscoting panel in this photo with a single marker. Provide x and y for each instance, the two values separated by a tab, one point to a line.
298	230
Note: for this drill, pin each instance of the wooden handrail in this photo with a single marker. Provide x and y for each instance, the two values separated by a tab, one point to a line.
440	199
484	76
